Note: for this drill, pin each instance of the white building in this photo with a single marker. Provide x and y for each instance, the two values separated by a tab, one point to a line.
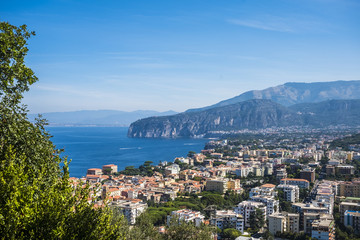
243	171
228	219
323	229
245	208
281	173
266	194
301	183
277	223
352	218
291	192
272	205
188	216
264	190
131	210
284	222
172	169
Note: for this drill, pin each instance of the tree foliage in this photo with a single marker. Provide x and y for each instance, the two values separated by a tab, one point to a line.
257	219
231	233
37	199
15	77
181	230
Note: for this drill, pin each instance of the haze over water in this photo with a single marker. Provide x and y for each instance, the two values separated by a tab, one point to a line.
92	147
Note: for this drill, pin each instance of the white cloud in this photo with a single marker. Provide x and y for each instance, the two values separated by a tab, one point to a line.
274	25
290	24
63	89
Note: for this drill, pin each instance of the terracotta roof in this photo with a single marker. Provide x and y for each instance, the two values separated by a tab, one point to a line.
294	179
92	176
109	165
268	185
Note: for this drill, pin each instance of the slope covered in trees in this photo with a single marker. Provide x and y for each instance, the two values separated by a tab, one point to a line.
346	141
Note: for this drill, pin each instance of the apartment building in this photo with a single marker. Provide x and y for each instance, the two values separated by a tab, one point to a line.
284	222
217	185
350	189
308	211
130	209
245	208
349	204
228	219
277	223
323	229
187	215
352	218
272	205
264	190
281	173
243	171
308	174
345	170
291	192
301	183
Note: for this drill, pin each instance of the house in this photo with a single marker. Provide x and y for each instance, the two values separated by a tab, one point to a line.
94	171
109	169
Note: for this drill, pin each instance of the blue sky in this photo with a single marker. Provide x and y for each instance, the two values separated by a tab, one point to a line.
161	55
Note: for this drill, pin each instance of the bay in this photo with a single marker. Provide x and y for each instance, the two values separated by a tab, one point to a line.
93	147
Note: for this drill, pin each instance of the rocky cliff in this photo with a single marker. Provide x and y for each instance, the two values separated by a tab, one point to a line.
251	114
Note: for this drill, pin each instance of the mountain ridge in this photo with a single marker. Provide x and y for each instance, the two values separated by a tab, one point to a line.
291	93
250	114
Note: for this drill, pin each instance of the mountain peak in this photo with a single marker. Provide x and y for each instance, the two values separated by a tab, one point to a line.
292	93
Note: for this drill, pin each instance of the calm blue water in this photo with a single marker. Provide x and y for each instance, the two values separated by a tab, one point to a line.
90	147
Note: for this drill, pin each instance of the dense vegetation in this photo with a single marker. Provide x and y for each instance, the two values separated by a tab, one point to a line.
346	141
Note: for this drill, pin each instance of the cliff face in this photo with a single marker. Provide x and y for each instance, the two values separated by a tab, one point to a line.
295	93
251	114
332	112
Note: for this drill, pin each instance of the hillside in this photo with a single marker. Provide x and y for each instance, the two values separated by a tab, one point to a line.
251	114
294	93
333	112
345	142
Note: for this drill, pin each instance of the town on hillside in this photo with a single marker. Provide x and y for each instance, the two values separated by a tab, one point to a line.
270	187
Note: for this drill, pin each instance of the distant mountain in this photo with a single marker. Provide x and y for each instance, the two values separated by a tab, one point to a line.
294	93
332	112
98	117
251	114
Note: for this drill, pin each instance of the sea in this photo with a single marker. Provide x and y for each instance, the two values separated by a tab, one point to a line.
93	147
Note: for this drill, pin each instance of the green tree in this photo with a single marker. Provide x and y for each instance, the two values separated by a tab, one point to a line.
191	154
257	219
15	77
181	230
231	233
37	199
144	229
267	235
